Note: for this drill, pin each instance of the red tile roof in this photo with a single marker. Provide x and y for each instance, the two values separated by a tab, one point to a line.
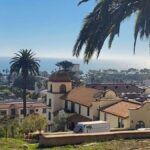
82	95
121	108
59	76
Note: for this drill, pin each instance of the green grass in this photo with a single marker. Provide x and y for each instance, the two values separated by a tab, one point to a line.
110	145
15	144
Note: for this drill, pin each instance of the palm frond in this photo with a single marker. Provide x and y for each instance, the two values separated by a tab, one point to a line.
105	21
25	63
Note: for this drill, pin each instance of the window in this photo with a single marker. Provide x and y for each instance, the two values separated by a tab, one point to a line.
140	124
105	87
79	109
45	98
49	115
50	103
99	115
63	88
88	111
116	87
66	104
72	107
13	112
51	88
105	117
120	123
44	110
3	112
31	111
21	111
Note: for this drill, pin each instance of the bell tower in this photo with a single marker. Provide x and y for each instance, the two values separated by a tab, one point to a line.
59	84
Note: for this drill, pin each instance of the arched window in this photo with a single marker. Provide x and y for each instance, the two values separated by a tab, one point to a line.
63	88
140	124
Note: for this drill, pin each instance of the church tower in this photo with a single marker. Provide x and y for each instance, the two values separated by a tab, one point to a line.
59	83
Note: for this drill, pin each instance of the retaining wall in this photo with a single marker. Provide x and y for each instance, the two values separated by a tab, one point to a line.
72	139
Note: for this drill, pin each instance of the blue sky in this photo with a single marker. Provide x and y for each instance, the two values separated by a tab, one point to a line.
50	28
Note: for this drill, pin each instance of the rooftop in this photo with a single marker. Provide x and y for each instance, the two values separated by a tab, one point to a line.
59	76
121	108
82	95
118	88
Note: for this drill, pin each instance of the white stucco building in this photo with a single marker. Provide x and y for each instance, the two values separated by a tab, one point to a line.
59	84
81	103
86	103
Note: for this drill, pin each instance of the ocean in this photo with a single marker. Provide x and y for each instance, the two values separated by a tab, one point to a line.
48	64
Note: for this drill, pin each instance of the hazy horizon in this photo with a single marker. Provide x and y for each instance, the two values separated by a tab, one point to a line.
48	64
36	25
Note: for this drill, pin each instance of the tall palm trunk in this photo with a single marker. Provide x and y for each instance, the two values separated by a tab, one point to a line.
24	95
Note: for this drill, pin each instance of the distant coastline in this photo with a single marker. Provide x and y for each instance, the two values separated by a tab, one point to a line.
48	64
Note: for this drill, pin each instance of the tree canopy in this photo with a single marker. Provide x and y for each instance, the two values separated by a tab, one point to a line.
104	22
64	65
30	80
24	63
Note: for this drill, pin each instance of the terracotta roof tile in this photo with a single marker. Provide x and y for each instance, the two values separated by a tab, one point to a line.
59	76
82	95
121	108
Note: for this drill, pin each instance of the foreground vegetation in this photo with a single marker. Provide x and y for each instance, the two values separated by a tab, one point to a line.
14	128
13	144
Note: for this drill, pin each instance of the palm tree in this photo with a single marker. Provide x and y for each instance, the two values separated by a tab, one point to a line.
25	64
105	20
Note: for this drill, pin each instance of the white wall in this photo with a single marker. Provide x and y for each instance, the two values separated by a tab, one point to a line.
77	108
113	120
84	112
56	86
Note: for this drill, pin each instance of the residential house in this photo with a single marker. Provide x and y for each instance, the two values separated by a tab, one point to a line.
118	114
15	109
127	115
85	103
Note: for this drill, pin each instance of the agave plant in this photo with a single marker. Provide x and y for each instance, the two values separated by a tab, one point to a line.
105	20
